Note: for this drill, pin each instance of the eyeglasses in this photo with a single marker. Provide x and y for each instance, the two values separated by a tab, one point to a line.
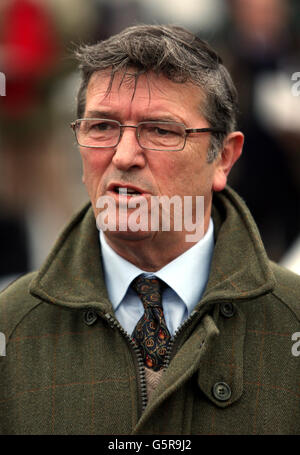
160	136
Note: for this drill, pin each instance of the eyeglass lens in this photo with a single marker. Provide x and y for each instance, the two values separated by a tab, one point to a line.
150	135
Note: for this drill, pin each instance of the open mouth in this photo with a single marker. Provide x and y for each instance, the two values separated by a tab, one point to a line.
125	191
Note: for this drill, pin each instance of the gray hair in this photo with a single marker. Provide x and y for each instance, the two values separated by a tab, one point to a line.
175	53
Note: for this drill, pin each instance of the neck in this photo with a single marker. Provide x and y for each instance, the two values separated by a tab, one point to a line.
151	251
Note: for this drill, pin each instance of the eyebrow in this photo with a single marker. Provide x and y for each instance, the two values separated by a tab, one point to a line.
113	114
99	114
163	118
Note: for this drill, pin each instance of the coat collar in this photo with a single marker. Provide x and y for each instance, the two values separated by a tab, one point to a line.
72	274
240	267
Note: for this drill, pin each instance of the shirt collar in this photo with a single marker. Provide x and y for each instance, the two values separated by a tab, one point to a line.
187	274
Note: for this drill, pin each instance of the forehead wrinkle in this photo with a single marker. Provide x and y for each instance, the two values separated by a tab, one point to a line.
112	103
129	80
148	87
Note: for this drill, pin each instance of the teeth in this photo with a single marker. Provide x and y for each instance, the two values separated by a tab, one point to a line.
122	190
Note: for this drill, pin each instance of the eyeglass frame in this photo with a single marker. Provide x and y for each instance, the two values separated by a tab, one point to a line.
186	130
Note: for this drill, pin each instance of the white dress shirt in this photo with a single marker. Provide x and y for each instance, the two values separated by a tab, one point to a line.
186	276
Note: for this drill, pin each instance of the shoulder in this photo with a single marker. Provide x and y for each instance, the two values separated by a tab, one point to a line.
15	303
287	288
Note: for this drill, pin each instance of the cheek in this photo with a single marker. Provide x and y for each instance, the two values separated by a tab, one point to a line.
194	177
94	165
176	174
90	158
165	171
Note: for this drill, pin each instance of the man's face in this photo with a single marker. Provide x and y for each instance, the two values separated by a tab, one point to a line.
152	173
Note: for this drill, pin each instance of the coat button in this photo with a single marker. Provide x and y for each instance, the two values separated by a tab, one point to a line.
89	317
227	309
221	391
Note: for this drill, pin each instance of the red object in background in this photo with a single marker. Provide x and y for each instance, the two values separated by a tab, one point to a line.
29	35
31	49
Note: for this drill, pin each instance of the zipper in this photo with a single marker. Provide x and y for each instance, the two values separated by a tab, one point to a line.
139	360
171	350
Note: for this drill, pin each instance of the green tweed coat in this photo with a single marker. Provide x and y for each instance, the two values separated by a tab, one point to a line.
69	367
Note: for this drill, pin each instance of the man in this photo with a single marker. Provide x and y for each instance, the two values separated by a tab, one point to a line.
147	328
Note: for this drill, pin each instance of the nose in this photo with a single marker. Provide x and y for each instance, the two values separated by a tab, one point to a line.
128	152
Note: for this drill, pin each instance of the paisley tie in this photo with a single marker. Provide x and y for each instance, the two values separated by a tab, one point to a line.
151	333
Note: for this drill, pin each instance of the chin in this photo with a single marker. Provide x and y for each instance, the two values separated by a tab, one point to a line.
128	235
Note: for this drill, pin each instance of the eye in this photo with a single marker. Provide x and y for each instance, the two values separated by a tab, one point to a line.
162	131
102	126
165	131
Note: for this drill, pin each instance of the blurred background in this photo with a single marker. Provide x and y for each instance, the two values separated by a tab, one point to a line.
40	168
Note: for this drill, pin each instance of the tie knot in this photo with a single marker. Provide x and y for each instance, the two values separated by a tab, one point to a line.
148	289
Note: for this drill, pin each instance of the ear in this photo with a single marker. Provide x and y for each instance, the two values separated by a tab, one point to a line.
232	149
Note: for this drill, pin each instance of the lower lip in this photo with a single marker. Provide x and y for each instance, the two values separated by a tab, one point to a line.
119	197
